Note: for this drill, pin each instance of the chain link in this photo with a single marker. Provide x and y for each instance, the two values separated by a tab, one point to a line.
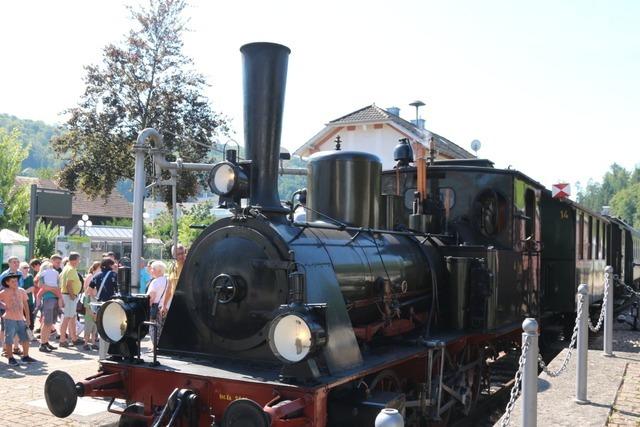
602	308
627	287
515	390
574	339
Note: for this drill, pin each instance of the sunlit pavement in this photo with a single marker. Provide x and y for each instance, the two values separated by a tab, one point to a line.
22	390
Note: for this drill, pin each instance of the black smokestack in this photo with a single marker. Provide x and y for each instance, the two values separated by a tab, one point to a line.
265	77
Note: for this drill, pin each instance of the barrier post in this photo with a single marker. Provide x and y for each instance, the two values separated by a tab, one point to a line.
608	314
530	374
583	344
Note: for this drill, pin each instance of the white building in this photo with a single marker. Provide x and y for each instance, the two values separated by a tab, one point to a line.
375	130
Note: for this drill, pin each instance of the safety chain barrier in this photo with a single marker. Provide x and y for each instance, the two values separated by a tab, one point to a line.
627	287
572	344
602	308
515	390
525	381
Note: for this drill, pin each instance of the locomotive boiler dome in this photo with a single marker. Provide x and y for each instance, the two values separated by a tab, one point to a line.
344	185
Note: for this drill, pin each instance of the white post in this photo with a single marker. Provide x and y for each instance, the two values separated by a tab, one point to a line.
389	417
530	374
583	344
139	183
608	312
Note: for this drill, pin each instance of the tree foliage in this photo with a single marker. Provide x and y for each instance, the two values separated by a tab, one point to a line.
119	222
45	239
626	204
288	184
619	189
145	81
36	137
15	198
199	214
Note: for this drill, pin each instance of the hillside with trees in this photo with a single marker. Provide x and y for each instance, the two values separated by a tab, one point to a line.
35	135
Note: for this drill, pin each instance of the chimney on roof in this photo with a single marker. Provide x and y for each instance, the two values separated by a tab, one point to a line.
394	110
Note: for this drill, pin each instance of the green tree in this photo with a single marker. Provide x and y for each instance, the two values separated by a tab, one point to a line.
46	173
119	222
614	181
145	81
626	204
596	195
36	137
15	198
287	184
45	239
635	176
160	228
199	214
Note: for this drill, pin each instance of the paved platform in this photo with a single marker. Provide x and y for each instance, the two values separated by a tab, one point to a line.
22	389
613	387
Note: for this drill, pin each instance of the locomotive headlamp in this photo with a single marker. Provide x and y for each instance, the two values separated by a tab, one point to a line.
123	318
228	179
293	336
113	322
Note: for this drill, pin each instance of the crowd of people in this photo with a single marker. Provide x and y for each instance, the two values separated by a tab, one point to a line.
48	299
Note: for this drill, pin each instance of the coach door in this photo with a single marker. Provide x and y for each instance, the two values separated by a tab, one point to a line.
527	232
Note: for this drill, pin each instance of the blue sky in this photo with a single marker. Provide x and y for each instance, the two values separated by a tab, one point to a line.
549	87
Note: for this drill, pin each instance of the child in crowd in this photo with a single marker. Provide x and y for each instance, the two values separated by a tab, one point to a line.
90	328
16	315
48	283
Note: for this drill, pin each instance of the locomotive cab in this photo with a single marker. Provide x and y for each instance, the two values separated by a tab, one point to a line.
491	225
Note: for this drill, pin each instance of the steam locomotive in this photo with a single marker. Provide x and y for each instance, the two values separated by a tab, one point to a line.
398	289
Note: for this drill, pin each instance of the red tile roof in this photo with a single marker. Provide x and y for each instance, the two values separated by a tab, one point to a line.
115	206
373	113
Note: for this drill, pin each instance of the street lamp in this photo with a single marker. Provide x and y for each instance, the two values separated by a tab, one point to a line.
84	223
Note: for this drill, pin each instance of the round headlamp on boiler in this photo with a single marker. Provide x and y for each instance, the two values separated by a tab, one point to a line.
295	335
227	179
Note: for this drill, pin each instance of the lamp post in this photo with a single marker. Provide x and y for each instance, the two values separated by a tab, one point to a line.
84	223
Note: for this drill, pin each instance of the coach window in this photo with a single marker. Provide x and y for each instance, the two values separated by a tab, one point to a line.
604	240
597	252
581	236
590	238
409	197
530	213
